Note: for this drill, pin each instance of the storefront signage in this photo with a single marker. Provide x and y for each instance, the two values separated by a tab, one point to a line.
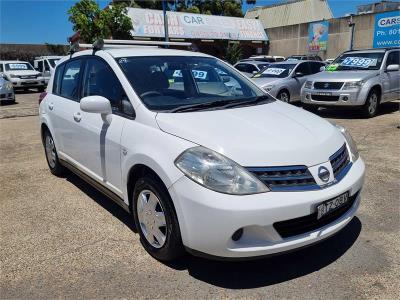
150	23
318	36
387	30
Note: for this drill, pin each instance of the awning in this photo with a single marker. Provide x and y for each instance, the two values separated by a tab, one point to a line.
150	23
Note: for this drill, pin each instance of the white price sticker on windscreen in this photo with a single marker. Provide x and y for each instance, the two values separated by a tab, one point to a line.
18	66
274	71
196	74
359	62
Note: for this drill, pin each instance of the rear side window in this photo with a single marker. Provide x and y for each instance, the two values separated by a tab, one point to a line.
100	80
57	80
242	67
303	68
70	80
1	67
315	67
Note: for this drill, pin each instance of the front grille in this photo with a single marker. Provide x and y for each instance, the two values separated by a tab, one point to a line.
2	96
339	160
28	76
290	178
324	98
301	225
328	85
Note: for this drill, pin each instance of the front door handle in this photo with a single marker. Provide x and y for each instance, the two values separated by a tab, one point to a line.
77	117
51	106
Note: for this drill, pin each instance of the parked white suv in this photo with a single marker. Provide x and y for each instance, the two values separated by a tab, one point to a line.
22	75
215	169
46	65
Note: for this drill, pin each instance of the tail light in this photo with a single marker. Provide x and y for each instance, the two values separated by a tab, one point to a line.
41	97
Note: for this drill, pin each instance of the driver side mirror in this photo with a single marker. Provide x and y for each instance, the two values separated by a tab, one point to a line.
391	68
298	74
97	105
254	72
322	69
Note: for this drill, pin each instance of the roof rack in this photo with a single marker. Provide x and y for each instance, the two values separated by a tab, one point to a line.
107	43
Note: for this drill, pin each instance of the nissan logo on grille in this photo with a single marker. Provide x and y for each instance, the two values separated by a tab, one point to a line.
323	174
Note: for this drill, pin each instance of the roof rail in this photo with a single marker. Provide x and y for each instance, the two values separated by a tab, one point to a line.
107	43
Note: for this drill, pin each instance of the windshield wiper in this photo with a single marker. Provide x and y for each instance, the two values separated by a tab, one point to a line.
205	105
255	100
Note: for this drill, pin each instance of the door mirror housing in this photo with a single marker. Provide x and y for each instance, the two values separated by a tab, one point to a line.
391	68
322	69
254	72
298	74
96	104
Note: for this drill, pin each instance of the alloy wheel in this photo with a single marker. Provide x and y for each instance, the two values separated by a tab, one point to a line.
373	103
284	97
50	151
151	218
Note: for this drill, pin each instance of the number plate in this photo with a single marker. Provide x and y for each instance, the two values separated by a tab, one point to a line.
324	94
331	205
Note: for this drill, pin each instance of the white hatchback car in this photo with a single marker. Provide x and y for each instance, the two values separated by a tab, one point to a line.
202	166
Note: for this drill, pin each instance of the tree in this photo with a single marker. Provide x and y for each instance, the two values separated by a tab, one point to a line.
233	53
94	23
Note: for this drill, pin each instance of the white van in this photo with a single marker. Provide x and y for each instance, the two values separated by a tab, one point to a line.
46	65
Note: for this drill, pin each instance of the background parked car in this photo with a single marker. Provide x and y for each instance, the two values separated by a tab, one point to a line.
250	67
6	90
46	65
304	57
22	75
363	79
283	80
329	60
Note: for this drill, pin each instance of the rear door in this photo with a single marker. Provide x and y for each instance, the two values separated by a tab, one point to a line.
61	106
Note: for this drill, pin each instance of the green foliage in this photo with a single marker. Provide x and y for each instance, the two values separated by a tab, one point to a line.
233	53
94	23
212	7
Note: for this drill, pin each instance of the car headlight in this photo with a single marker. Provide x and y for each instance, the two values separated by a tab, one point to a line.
308	84
217	172
353	85
268	88
350	142
14	76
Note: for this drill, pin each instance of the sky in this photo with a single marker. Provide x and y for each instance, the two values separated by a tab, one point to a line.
46	21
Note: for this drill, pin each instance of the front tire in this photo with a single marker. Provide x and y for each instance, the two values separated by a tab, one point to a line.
371	106
51	155
156	220
283	96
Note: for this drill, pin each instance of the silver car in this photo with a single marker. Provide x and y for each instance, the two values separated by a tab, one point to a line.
250	67
6	90
363	79
283	80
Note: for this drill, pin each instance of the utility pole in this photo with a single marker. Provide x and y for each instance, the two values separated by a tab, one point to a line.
352	26
164	6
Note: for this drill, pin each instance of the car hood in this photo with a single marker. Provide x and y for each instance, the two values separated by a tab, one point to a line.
274	134
343	75
23	72
266	81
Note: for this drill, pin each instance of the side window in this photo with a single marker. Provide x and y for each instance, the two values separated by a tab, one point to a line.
1	67
393	58
241	67
57	80
46	66
251	68
303	68
315	67
70	80
40	65
100	80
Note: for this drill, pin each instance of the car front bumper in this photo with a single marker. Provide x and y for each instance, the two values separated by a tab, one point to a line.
208	219
27	83
319	97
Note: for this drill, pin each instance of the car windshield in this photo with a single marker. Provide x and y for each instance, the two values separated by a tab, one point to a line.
357	61
53	61
276	71
18	66
167	83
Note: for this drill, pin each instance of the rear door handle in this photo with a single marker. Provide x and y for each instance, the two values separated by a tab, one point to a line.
77	117
51	106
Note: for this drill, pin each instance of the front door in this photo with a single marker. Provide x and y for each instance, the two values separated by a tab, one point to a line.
391	80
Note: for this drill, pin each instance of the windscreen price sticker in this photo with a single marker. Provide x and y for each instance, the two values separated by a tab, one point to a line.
274	71
359	62
18	66
196	74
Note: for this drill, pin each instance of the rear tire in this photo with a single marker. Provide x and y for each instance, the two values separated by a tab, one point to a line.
156	220
51	155
371	106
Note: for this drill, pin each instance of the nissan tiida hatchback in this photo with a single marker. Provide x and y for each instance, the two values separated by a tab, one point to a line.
200	156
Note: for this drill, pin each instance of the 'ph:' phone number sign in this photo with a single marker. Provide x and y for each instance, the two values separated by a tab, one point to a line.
387	30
